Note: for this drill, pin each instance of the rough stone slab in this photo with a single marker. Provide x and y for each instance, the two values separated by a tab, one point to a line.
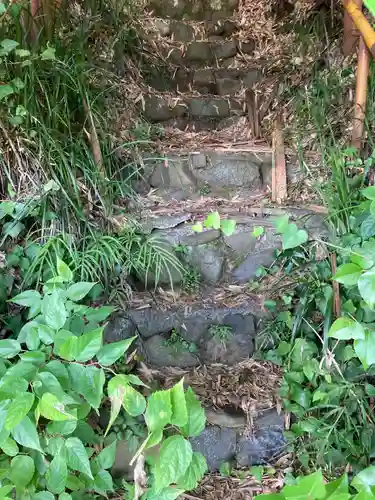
208	260
199	10
181	32
209	108
217	444
184	235
158	109
175	172
225	50
246	47
161	354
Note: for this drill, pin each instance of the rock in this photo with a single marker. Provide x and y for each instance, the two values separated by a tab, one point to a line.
169	272
225	50
226	419
120	328
207	260
161	354
246	271
164	222
181	32
175	56
265	443
150	321
222	28
211	108
162	27
173	173
199	10
121	467
158	109
199	51
184	235
246	47
217	444
241	242
227	86
251	77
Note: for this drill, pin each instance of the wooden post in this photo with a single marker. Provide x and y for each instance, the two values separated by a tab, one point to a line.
360	94
279	180
350	33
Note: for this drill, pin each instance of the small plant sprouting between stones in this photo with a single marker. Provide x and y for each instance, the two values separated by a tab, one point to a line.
221	333
292	237
257	232
54	375
179	344
191	281
213	221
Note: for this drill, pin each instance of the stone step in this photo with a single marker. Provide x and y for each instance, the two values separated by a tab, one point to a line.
161	108
199	10
214	81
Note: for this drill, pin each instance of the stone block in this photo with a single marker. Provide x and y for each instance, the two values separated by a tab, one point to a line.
159	353
173	173
224	27
207	260
199	51
209	108
225	50
199	10
228	86
251	77
217	444
181	32
158	109
246	47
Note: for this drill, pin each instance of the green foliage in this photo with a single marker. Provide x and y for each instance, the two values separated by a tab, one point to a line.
214	221
191	281
177	342
291	236
221	333
54	375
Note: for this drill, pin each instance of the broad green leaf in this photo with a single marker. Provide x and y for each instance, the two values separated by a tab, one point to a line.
32	339
116	397
37	358
134	403
89	344
55	446
196	415
257	471
198	227
165	494
99	314
134	380
59	371
46	334
212	220
22	53
7	46
51	408
65	496
120	380
22	369
348	274
179	410
311	486
5	91
364	256
270	496
167	470
76	456
57	475
228	226
194	473
365	480
27	298
103	482
43	495
365	349
9	447
88	381
12	229
106	457
257	231
22	469
294	237
9	348
281	223
64	428
49	383
368	227
4	490
68	350
18	409
110	353
63	271
53	310
159	410
345	328
25	434
366	286
74	483
79	290
369	192
49	54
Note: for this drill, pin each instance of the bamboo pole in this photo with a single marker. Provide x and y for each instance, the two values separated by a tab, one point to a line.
350	32
361	24
360	94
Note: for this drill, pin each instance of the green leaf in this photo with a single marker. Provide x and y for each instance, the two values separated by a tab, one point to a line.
281	223
134	403
25	434
89	344
165	494
8	46
79	290
52	409
311	486
57	474
65	496
116	397
365	349
18	409
225	469
68	350
179	410
49	54
348	274
257	472
167	470
53	310
196	415
32	339
159	410
257	231
198	227
106	457
345	328
64	428
103	482
88	381
366	286
9	348
22	53
43	495
194	473
57	369
365	480
212	220
228	226
9	447
22	469
110	353
27	298
76	456
46	334
294	237
63	271
369	192
5	91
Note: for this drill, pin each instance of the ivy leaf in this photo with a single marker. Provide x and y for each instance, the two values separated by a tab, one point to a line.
257	231
12	228
281	223
179	410
25	434
88	381
110	353
27	299
369	192
212	220
228	226
53	310
64	271
57	474
9	348
76	456
365	480
196	415
168	471
198	227
65	496
78	291
89	344
32	339
165	494
311	486
368	227
159	410
106	457
366	286
22	469
134	403
348	274
365	349
49	54
194	473
7	46
18	409
52	409
23	53
294	237
57	369
346	329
